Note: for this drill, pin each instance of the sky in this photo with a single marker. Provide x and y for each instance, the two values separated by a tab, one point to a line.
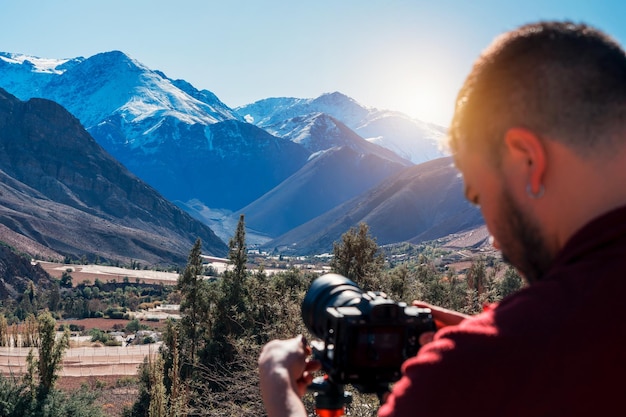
410	56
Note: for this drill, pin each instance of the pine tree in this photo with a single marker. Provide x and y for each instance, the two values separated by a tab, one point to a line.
238	256
233	283
193	300
229	317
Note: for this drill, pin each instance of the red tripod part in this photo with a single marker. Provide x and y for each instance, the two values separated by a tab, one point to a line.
340	412
330	398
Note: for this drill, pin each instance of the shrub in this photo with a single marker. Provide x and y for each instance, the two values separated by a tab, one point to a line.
132	326
116	314
147	340
98	335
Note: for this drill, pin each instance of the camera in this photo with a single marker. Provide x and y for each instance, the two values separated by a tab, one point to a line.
364	336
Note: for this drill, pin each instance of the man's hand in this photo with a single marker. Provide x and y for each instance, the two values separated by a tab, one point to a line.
442	316
285	373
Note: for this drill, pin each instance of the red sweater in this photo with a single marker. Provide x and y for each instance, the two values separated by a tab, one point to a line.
555	348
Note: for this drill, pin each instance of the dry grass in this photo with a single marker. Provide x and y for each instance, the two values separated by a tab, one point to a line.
115	392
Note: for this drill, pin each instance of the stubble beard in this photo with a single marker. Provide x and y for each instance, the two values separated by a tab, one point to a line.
523	245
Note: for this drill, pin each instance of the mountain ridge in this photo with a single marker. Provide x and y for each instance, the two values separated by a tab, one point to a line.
216	162
418	141
59	187
422	202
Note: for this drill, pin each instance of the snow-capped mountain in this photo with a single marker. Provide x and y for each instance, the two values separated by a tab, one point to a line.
412	139
342	165
281	161
184	142
24	76
319	132
271	111
110	83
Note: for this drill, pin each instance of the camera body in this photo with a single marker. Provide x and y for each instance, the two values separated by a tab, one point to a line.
364	336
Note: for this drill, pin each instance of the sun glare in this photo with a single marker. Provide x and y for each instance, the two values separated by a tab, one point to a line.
423	90
424	99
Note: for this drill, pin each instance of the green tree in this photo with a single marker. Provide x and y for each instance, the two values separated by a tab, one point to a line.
66	280
229	315
35	395
53	296
398	283
358	258
193	303
238	252
51	352
432	288
232	304
511	282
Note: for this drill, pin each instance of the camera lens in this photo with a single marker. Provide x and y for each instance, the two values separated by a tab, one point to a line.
330	290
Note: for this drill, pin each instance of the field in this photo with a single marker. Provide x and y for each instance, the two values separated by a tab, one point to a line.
89	273
109	370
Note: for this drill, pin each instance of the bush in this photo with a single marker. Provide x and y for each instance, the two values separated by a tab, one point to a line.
116	314
132	326
147	340
98	335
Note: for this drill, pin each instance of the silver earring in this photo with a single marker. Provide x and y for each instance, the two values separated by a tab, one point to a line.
536	195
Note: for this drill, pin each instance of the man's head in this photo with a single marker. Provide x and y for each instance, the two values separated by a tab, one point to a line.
560	80
541	106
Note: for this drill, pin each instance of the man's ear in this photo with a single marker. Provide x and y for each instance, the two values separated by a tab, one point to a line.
527	152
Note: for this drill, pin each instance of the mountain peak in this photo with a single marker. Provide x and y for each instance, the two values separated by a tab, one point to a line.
335	98
117	58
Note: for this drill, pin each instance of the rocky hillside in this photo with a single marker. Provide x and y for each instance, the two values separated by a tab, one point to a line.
17	271
423	202
59	188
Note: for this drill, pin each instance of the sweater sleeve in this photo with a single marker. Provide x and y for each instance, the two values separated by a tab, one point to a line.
451	375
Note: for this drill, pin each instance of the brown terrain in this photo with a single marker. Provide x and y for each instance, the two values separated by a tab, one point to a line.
90	273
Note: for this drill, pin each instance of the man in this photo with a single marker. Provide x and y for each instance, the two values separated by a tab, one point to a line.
539	134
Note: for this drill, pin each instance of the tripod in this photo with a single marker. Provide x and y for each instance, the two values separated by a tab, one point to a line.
330	398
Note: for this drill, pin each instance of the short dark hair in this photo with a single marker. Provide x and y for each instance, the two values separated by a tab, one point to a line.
564	81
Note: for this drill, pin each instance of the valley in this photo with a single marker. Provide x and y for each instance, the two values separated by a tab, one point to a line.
110	171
